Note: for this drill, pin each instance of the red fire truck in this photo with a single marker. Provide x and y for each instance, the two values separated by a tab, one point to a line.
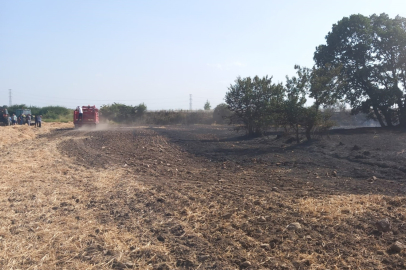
90	116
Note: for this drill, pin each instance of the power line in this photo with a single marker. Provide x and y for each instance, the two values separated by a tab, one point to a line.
107	100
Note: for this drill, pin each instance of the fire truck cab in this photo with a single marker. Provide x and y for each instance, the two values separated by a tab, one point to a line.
89	117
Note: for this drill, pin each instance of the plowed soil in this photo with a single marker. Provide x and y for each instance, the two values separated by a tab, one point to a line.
204	197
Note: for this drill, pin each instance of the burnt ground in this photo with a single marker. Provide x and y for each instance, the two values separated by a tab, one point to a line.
217	200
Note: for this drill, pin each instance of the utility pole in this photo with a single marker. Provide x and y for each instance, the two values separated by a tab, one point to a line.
10	103
190	102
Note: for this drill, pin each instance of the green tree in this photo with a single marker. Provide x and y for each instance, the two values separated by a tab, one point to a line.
371	55
51	112
117	112
325	85
293	106
253	102
316	83
207	106
122	113
140	109
222	114
12	109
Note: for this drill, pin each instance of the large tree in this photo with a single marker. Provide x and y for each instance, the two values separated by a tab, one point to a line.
370	53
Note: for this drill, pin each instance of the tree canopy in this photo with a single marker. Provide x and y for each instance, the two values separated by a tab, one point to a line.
257	103
122	113
370	53
207	106
251	100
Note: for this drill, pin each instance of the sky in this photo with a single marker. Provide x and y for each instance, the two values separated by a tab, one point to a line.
161	53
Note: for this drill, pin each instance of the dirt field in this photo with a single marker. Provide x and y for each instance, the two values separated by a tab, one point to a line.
200	197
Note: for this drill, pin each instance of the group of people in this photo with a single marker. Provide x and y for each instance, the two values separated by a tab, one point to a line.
23	119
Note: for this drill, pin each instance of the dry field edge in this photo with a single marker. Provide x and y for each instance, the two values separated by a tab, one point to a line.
200	197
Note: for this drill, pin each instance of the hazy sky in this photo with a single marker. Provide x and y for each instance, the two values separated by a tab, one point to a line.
80	52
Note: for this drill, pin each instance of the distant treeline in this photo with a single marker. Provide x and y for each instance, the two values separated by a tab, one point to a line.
49	113
127	114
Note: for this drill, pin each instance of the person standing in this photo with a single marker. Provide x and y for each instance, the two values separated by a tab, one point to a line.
39	120
14	119
80	110
29	119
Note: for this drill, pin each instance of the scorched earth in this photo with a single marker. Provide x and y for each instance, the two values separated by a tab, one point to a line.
201	197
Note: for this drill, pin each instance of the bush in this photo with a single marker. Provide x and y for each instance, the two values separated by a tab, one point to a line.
254	103
222	114
122	113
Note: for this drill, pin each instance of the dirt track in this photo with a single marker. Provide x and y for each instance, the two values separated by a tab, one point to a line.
204	198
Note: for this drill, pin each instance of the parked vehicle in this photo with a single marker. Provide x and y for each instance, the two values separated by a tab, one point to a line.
22	111
90	116
25	112
4	120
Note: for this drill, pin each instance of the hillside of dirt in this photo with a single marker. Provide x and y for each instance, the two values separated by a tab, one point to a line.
202	197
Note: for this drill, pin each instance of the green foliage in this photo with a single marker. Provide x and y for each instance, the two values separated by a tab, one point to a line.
370	53
140	110
52	112
295	115
122	113
326	84
207	106
222	114
12	109
257	103
49	113
252	102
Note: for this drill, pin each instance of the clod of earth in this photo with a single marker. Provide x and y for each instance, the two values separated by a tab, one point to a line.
356	148
397	247
345	211
294	226
383	225
227	216
246	264
160	238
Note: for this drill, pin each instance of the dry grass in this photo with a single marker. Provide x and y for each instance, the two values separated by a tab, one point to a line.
14	134
56	214
45	222
342	206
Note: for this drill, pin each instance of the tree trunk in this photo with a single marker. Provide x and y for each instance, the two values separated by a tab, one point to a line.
297	134
378	116
308	134
402	114
388	118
